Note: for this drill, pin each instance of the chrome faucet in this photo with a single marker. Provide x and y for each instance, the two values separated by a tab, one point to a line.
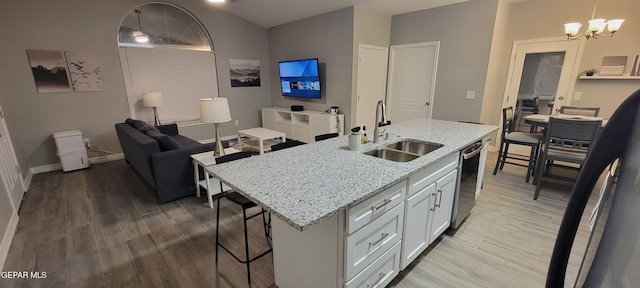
376	132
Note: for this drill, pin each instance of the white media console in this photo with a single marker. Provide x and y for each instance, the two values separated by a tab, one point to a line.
302	125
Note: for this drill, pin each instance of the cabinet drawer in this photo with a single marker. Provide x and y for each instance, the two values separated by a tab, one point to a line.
428	175
374	207
380	273
369	243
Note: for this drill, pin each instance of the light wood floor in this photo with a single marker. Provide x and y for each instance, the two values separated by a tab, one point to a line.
102	227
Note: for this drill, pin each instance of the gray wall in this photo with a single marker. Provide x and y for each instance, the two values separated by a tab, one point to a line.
328	37
92	26
369	28
465	31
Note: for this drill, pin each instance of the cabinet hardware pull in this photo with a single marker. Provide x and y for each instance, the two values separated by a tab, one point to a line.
380	277
384	203
434	201
439	200
384	235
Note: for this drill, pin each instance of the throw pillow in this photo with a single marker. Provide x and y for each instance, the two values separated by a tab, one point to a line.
165	141
141	126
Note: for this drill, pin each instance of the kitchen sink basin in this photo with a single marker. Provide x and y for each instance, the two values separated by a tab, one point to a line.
414	147
393	155
404	151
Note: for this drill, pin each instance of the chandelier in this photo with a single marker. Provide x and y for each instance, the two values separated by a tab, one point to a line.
596	26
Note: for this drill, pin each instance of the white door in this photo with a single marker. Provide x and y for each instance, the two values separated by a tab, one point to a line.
524	84
523	50
9	168
371	83
412	80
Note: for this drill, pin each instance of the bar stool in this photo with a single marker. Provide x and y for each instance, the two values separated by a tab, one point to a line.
245	204
509	136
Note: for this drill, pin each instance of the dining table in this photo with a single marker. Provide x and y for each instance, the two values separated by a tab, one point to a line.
542	120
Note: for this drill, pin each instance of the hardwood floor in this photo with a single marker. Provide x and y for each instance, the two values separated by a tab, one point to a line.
102	227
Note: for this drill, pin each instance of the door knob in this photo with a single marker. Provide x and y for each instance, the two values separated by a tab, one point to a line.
561	97
427	104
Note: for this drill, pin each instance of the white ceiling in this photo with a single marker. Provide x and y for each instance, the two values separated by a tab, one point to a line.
269	13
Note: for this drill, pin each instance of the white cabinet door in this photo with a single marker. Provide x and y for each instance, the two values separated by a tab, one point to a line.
319	125
269	119
301	133
417	217
285	127
442	204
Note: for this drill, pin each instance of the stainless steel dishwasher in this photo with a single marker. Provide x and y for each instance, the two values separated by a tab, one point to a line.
465	198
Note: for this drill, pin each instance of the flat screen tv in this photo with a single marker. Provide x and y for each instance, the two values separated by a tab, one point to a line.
300	78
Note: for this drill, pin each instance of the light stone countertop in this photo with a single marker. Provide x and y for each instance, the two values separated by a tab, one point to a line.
305	184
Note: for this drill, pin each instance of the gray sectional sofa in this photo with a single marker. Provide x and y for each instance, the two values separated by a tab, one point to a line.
161	156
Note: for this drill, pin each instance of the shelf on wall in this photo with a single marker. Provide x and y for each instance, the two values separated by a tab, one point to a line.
609	77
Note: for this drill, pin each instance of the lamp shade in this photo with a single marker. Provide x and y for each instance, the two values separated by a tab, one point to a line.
572	28
214	110
614	24
597	25
152	99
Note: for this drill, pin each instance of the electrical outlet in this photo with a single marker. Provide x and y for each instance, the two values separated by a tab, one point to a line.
87	143
577	95
236	122
471	94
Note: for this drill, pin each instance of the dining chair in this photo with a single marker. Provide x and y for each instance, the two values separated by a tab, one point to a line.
326	136
527	107
565	141
245	204
285	145
510	136
583	111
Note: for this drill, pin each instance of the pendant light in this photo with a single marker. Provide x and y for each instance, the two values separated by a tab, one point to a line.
138	35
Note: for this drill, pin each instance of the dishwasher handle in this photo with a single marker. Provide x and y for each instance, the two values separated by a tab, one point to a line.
469	154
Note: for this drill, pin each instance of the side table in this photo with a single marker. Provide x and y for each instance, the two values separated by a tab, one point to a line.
260	134
203	160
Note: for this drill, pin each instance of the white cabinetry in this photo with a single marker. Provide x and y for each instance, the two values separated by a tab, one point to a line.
301	125
442	205
375	226
429	204
483	162
374	240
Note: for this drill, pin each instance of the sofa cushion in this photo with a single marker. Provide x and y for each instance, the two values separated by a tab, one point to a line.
185	142
142	126
165	141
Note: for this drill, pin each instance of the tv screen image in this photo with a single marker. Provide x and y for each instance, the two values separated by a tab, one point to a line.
300	78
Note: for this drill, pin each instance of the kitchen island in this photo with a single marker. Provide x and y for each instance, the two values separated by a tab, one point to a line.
328	200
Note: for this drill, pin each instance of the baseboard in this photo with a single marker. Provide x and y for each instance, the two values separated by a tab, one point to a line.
7	238
27	180
58	166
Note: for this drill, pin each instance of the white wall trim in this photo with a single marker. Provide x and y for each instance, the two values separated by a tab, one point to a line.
8	237
27	180
58	166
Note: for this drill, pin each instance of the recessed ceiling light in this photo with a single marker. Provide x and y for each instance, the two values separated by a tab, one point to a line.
216	1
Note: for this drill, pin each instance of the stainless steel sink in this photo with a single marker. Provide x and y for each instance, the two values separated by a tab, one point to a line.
414	147
393	155
404	151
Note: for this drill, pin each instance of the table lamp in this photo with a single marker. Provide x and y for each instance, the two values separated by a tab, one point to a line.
216	111
153	99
